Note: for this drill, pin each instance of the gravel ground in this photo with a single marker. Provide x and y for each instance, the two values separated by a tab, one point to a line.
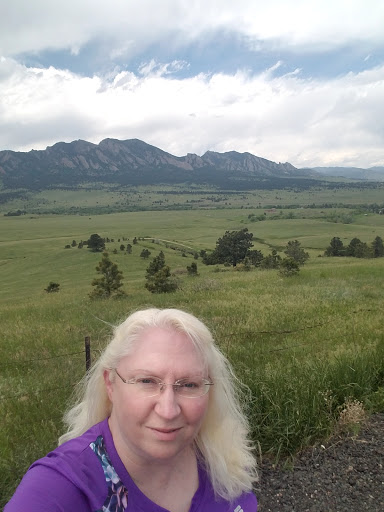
343	475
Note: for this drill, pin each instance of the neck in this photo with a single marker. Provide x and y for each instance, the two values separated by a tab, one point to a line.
171	485
162	472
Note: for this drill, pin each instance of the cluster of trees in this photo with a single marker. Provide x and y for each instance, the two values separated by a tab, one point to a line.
97	244
158	278
235	247
17	213
356	248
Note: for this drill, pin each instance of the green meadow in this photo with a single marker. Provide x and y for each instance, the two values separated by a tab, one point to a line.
100	198
307	347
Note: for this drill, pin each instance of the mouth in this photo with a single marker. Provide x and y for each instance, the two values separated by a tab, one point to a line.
166	430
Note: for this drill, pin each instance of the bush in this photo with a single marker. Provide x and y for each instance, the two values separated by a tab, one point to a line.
289	267
52	287
192	269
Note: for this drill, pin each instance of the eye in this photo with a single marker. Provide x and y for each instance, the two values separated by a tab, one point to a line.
189	384
147	381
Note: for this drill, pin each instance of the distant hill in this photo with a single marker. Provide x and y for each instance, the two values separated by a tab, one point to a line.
134	162
356	173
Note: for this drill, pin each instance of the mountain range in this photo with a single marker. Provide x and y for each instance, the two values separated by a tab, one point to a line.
134	162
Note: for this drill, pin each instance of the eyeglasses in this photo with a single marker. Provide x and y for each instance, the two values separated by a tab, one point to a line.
192	387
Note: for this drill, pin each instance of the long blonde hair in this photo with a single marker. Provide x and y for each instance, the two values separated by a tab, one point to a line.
222	442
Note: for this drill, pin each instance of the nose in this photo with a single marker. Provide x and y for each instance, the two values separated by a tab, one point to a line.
167	405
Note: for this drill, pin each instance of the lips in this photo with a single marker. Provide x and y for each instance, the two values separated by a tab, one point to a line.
165	434
165	430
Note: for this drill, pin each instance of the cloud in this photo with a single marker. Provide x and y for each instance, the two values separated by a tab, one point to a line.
129	28
304	121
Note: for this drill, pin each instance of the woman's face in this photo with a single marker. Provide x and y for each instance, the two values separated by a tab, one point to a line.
158	428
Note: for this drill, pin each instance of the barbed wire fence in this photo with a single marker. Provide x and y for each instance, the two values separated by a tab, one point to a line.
25	362
87	354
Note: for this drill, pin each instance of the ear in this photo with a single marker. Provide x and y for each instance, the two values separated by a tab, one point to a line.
108	384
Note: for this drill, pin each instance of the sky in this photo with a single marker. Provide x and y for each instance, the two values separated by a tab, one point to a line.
299	81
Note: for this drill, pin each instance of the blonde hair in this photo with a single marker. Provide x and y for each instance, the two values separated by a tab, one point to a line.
222	443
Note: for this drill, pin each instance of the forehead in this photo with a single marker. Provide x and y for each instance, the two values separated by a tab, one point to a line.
164	349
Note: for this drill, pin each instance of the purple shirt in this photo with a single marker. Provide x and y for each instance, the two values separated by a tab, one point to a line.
86	475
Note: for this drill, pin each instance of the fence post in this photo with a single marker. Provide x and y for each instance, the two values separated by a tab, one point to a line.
87	341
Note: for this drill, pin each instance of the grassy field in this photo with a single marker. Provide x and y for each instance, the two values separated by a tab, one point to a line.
306	346
103	198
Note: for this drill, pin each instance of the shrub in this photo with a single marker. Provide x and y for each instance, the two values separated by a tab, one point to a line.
52	287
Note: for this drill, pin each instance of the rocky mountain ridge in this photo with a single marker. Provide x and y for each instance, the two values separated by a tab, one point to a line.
133	162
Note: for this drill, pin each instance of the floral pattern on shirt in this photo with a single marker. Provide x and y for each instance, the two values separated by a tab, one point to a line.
117	499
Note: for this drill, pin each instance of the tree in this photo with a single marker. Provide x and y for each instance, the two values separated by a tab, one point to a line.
295	252
161	281
289	267
145	254
110	281
335	248
122	247
231	248
255	257
271	261
156	264
52	287
96	243
353	247
378	247
358	249
192	269
74	243
158	276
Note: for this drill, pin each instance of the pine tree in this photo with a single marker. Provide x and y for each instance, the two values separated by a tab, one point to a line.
156	264
110	281
378	247
335	248
192	269
295	252
159	279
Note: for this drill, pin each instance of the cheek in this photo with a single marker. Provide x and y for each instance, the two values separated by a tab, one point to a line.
132	410
197	411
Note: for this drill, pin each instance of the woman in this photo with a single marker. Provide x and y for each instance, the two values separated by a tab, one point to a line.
157	427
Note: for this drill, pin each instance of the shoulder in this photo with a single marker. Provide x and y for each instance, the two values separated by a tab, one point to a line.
68	478
44	490
207	501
